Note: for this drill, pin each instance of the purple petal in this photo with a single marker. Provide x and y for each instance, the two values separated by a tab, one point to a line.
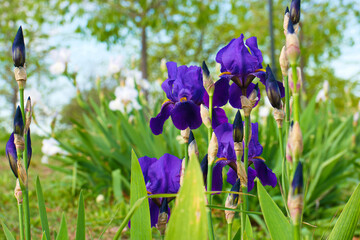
218	117
235	94
154	212
186	114
157	123
217	181
224	134
164	175
251	178
221	93
265	174
282	89
219	55
255	148
231	176
11	154
252	44
145	163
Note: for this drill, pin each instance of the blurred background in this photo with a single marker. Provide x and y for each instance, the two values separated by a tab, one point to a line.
95	70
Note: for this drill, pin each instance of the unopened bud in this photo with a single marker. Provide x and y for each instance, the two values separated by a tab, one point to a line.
296	195
232	202
284	63
193	148
18	122
212	149
299	79
163	217
272	89
292	44
185	134
296	141
295	11
286	20
18	49
208	81
28	115
204	111
238	128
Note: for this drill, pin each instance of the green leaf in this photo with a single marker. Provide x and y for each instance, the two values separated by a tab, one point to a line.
189	218
279	227
63	233
248	230
7	232
44	236
80	226
346	224
140	221
42	209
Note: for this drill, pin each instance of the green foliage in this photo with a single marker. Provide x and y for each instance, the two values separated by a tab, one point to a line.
63	232
277	224
189	218
42	209
346	224
7	232
140	221
80	226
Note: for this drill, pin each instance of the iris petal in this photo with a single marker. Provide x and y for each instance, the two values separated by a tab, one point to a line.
157	123
265	174
218	117
186	114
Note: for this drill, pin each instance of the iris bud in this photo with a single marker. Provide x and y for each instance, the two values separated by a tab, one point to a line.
18	49
296	140
212	149
163	216
204	167
296	195
272	89
295	11
232	202
299	79
193	148
208	81
18	122
284	63
238	128
292	44
205	116
286	20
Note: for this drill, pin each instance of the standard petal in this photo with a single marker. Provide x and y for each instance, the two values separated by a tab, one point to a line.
218	117
224	134
157	123
145	163
251	178
186	114
219	56
265	174
255	51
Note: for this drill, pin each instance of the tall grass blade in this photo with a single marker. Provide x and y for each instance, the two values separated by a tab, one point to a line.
80	226
63	233
42	209
7	232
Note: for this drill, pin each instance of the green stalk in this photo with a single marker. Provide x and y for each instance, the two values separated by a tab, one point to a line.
287	107
297	235
25	157
241	207
283	170
209	175
21	220
229	228
295	94
246	163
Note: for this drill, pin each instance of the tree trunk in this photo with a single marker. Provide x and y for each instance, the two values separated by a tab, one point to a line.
144	53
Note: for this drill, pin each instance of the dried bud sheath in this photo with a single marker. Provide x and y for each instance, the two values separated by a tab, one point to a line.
209	84
232	202
28	115
185	134
213	149
284	63
204	111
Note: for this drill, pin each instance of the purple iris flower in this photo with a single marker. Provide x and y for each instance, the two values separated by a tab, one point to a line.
226	156
239	64
161	176
11	153
185	91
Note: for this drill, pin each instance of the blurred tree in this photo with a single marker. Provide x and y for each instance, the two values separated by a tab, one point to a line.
191	31
32	15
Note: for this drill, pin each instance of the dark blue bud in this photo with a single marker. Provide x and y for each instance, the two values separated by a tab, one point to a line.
238	128
18	122
298	181
164	206
290	28
236	188
204	167
286	10
191	137
18	49
205	69
295	11
272	89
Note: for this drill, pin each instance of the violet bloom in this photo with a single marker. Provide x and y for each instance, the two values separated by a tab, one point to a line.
161	176
226	156
274	89
184	90
11	153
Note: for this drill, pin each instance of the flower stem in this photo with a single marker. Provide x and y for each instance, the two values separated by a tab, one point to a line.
21	220
297	235
284	179
25	157
287	107
229	228
246	163
209	175
295	94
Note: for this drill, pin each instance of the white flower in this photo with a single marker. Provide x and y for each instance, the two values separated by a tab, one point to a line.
100	198
126	99
57	68
51	147
264	111
115	64
323	94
